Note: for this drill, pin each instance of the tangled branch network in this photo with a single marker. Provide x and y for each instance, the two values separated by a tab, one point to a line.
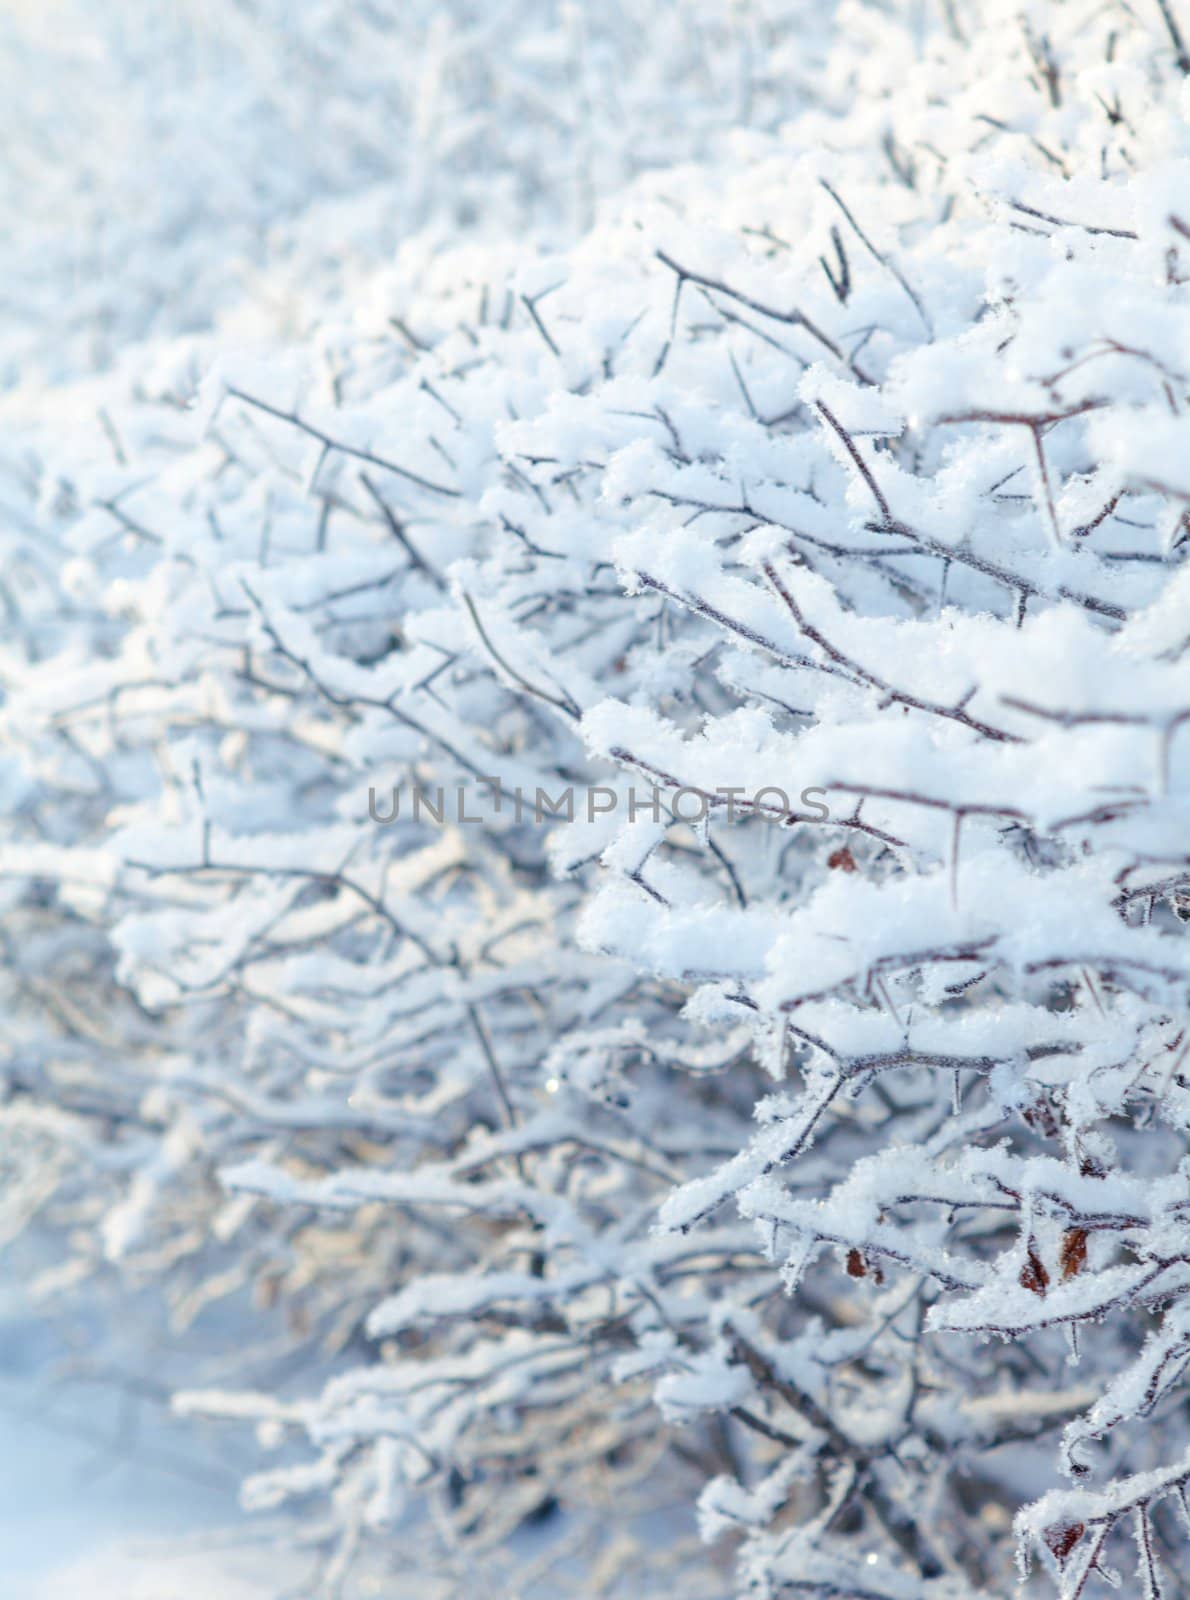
755	1204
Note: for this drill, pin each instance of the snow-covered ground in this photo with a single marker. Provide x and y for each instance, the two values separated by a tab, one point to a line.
102	1496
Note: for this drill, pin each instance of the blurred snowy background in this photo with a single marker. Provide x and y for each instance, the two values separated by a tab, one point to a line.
171	168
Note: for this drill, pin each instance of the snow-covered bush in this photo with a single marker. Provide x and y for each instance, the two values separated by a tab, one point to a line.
800	1128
